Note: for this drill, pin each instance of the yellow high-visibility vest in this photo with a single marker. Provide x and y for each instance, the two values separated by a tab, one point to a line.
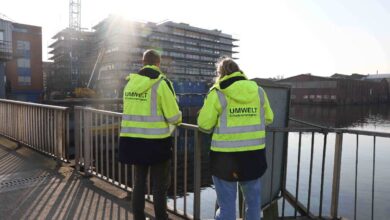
149	105
236	115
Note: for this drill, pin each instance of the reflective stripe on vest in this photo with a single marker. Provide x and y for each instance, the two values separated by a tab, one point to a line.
150	131
224	129
143	118
153	117
243	143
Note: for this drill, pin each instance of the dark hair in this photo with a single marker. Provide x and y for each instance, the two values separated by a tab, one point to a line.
151	57
226	66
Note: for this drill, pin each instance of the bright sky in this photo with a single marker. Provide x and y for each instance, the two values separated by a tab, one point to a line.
276	37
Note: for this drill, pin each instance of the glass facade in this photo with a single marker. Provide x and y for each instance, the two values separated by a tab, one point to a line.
23	62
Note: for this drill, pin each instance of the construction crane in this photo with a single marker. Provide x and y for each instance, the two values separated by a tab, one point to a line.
74	32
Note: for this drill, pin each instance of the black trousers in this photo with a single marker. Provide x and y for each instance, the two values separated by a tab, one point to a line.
160	177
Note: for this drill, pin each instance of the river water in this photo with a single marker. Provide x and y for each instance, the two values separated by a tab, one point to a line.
368	118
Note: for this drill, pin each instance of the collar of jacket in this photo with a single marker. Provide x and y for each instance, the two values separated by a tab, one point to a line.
235	74
151	67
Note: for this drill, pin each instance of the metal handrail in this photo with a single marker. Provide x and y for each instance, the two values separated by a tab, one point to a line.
96	143
34	104
41	127
99	129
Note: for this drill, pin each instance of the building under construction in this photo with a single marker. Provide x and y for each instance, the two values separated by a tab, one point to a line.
71	55
106	55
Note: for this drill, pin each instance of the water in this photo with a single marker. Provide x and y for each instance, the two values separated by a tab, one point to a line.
368	118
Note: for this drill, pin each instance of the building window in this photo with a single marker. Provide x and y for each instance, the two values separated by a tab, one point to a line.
22	45
293	96
319	97
1	35
305	97
326	96
23	48
333	97
24	80
20	30
312	96
23	63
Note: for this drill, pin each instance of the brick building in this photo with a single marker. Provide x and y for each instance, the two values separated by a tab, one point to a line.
23	66
310	89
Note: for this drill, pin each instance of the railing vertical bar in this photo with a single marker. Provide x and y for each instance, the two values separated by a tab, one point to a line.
96	144
63	134
44	134
82	135
322	175
37	131
185	170
373	180
21	111
77	128
310	172
33	125
120	173
25	135
67	135
336	175
132	176
272	164
41	134
356	175
175	172
55	121
113	148
30	125
36	128
197	173
298	172
283	184
88	120
148	180
99	128
49	131
107	155
126	176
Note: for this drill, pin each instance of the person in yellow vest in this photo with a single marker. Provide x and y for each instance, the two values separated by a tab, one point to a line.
149	107
236	111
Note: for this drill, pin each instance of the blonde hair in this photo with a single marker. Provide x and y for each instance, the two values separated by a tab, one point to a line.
226	66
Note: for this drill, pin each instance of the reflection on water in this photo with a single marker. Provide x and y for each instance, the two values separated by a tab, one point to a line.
348	116
368	118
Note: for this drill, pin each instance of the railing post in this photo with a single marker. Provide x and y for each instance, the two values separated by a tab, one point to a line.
77	129
197	174
60	135
87	124
336	175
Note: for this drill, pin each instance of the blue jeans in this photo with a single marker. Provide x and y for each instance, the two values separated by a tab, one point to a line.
226	198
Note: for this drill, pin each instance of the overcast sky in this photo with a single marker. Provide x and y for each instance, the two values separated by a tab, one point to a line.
276	37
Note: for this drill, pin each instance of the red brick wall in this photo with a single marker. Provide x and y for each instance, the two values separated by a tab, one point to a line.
34	36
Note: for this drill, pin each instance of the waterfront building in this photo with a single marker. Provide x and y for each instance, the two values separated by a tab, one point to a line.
20	61
310	89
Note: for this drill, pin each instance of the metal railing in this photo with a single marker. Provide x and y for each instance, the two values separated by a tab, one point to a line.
44	128
338	142
96	142
311	175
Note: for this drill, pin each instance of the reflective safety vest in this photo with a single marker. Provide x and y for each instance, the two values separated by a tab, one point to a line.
149	105
240	123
